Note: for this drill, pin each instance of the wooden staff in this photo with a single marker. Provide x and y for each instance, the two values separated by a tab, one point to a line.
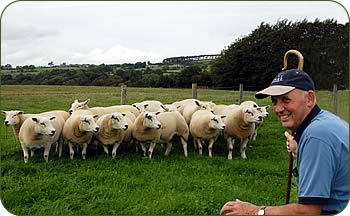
291	158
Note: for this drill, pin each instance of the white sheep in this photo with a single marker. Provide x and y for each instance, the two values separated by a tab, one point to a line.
187	109
264	114
76	105
205	126
79	129
149	106
39	132
115	128
240	124
147	129
173	123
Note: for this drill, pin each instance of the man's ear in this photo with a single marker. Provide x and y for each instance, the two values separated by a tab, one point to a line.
311	98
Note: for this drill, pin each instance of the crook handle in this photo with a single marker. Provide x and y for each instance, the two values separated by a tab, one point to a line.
300	59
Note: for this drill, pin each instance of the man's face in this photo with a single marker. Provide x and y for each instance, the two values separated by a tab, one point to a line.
292	108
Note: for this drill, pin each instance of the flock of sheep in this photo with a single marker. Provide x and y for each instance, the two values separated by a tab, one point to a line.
148	122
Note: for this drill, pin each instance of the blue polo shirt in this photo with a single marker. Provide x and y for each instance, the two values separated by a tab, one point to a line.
323	161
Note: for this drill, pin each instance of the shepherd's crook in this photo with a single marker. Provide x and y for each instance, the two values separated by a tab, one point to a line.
291	158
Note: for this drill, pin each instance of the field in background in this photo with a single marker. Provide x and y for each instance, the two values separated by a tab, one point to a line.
131	184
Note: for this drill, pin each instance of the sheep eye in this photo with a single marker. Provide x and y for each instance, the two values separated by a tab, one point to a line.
87	121
215	120
255	106
43	124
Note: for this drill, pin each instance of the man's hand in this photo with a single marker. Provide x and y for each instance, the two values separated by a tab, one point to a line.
239	208
292	145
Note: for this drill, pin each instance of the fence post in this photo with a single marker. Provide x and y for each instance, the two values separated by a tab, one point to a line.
194	90
123	94
335	98
240	93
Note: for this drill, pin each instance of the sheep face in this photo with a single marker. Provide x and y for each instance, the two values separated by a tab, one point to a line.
252	115
76	105
12	118
88	123
263	111
216	122
43	126
119	121
151	121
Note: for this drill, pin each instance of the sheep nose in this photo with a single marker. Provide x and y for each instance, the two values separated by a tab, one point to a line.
70	112
260	118
159	126
223	127
7	123
97	128
52	133
126	126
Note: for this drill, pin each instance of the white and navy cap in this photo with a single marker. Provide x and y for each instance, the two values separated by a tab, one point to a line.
285	82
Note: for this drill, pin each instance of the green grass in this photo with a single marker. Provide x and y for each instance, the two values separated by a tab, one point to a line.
132	185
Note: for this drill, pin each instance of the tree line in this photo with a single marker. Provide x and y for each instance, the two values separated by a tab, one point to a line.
252	60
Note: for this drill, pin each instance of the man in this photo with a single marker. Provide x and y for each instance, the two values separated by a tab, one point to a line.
322	156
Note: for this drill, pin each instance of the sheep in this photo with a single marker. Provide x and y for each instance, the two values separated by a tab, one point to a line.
147	129
149	106
38	132
240	124
205	126
265	114
115	128
173	123
76	105
79	129
16	118
189	108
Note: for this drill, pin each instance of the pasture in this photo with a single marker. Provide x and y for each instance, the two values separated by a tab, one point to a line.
131	184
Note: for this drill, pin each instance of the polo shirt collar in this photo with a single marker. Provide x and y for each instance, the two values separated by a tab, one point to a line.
306	122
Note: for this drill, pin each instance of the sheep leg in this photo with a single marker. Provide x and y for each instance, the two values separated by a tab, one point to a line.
168	148
71	150
195	143
105	148
115	148
243	147
255	134
150	150
200	148
25	153
84	150
184	146
210	147
32	151
143	147
230	142
47	151
60	146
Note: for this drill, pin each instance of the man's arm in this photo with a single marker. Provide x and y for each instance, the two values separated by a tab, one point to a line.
245	208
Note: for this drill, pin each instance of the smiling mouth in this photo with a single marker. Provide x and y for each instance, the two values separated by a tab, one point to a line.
284	117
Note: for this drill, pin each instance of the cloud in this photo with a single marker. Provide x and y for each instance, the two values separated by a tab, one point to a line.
26	32
115	55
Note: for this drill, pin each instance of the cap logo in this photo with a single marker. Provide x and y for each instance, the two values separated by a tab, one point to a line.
278	78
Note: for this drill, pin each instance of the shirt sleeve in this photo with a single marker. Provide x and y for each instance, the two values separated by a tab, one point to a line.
316	170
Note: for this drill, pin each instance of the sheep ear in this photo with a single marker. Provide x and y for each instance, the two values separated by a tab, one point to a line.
35	119
76	101
52	118
2	111
20	112
267	107
86	102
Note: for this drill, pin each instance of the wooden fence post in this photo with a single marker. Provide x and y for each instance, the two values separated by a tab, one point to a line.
194	90
335	98
240	93
123	94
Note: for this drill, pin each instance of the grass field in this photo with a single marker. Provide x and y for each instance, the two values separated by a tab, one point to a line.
132	185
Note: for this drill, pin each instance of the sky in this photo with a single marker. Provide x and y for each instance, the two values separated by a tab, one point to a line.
115	32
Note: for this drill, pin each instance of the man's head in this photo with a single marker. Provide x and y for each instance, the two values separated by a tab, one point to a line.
292	95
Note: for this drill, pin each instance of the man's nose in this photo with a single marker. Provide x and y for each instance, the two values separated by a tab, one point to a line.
278	107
